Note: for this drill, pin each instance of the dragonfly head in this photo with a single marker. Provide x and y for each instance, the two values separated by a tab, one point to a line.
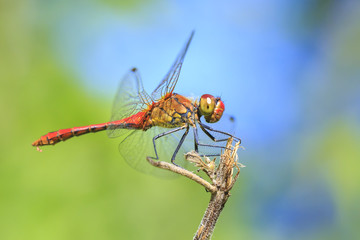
211	108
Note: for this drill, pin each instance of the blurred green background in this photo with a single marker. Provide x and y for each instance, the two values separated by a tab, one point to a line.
287	70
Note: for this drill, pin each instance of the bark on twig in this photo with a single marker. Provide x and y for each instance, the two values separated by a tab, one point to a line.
173	168
221	176
223	181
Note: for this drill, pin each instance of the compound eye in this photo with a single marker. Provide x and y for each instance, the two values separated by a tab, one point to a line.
207	104
218	112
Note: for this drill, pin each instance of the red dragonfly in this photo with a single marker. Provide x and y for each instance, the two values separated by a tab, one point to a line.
138	117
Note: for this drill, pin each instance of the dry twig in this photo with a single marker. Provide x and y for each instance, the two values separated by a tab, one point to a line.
222	178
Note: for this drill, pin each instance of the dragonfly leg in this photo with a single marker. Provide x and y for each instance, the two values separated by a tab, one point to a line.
211	136
179	145
197	142
164	134
203	127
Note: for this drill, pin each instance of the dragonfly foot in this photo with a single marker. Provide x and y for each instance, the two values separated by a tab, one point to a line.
177	165
38	149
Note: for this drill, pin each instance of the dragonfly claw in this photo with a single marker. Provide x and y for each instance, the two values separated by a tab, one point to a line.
38	149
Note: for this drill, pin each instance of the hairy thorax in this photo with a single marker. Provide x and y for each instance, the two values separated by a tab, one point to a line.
172	111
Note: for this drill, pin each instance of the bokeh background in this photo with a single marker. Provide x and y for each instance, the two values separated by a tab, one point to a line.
287	70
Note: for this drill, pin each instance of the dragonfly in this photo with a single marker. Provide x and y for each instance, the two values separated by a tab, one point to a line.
143	120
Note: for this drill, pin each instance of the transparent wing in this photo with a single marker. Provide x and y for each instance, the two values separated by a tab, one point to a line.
168	84
130	98
227	123
138	145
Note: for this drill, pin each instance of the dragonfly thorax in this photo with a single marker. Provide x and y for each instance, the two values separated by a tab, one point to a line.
172	111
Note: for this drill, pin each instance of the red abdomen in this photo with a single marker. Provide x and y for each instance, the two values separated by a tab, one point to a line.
133	122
